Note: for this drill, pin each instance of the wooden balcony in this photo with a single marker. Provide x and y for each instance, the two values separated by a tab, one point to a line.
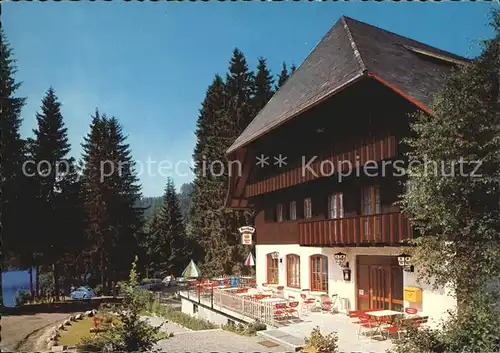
361	153
382	229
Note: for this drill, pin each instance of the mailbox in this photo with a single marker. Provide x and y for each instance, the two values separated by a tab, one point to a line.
413	294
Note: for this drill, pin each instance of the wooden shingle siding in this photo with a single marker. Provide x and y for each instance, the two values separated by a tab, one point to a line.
375	150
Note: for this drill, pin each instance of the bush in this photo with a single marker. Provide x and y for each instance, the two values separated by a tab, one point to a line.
133	334
22	297
245	330
322	344
190	322
472	329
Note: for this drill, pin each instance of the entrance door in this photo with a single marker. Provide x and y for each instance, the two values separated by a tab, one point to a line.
379	283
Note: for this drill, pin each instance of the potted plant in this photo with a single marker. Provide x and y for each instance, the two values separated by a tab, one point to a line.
317	343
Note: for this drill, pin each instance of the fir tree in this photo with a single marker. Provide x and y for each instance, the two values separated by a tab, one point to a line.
283	76
263	84
292	69
12	152
55	178
239	87
94	194
170	234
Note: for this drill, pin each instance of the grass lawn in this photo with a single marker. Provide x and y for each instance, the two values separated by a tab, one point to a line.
73	334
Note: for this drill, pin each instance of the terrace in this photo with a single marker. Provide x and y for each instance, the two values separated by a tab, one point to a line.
289	320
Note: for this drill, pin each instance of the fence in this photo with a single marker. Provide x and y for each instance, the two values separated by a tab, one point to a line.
221	299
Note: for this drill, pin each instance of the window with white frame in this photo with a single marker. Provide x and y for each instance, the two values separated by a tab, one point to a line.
293	210
336	206
279	213
307	208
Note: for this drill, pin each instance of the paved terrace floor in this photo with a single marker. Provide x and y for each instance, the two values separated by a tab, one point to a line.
341	324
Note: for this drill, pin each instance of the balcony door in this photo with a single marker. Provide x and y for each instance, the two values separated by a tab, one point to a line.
379	282
370	211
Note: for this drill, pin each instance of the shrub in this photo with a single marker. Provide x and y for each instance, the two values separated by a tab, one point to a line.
133	334
22	297
190	322
322	344
245	330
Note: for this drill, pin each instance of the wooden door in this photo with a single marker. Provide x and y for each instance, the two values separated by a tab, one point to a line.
379	283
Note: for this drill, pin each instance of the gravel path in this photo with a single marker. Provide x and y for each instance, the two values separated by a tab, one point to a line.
217	340
20	332
170	327
214	341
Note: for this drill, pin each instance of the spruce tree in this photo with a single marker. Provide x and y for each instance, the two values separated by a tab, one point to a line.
54	177
283	76
171	234
94	195
263	86
12	154
124	193
292	69
239	88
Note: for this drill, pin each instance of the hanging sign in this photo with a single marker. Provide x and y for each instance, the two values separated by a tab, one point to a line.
246	235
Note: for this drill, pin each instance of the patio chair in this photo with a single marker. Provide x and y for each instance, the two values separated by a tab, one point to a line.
326	303
366	323
411	311
280	291
280	312
307	303
292	310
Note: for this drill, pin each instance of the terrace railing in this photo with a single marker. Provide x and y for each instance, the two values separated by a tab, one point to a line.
229	301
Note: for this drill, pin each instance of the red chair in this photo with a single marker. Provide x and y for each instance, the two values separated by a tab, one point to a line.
366	323
307	303
411	311
280	311
292	309
326	303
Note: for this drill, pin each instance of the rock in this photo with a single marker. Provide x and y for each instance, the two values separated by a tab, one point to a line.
58	348
73	318
79	317
50	345
171	334
67	323
60	327
94	311
89	313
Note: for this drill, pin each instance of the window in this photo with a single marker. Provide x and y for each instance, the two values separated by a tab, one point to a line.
319	273
336	206
293	270
279	213
307	208
371	206
370	201
272	270
293	210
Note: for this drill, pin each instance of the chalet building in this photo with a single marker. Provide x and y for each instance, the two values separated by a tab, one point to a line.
322	166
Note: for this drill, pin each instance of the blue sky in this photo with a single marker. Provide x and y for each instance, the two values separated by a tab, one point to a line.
149	64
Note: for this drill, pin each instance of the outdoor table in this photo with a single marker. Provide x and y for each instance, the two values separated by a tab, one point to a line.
273	300
379	316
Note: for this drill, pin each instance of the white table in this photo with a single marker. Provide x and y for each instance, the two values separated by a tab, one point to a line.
379	315
273	300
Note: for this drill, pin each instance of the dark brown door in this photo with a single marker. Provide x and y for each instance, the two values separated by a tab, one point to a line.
379	283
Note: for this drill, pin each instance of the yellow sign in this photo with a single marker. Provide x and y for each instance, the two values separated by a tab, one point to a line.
413	294
246	235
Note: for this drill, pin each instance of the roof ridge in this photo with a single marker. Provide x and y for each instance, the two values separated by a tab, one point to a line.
442	51
357	53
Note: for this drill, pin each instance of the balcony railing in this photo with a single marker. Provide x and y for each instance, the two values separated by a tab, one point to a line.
382	229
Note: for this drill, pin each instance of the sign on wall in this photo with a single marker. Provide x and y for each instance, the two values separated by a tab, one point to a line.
246	234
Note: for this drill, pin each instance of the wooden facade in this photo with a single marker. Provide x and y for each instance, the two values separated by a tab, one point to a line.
315	162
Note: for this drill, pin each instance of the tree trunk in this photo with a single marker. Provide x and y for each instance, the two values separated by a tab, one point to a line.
55	275
37	281
30	271
102	269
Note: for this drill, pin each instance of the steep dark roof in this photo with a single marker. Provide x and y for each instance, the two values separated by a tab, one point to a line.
348	52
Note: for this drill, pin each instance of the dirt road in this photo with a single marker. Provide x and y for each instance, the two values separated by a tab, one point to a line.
19	332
